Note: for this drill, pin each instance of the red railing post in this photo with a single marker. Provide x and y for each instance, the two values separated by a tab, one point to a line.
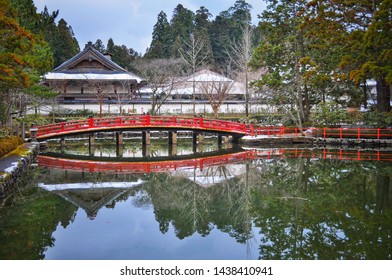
341	133
325	132
359	133
252	130
378	134
91	122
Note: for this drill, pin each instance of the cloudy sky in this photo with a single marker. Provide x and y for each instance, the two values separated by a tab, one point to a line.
127	22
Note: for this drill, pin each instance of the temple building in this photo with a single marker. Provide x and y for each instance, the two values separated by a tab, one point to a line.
91	76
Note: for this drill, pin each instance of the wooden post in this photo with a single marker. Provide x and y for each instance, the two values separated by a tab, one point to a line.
91	139
200	139
219	139
146	137
62	145
33	134
194	138
91	150
119	138
172	137
173	150
119	151
146	151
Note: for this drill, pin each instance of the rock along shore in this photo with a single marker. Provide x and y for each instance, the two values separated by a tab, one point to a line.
14	165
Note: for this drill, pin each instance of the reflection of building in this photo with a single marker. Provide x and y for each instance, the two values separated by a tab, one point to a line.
213	175
89	76
92	196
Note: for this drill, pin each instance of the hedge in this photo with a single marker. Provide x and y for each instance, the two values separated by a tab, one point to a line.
7	145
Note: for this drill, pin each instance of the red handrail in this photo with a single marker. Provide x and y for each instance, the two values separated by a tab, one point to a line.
196	123
144	121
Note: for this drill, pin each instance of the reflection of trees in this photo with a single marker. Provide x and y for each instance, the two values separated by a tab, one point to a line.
329	210
26	226
190	208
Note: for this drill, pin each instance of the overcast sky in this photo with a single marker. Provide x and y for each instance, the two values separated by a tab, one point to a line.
127	22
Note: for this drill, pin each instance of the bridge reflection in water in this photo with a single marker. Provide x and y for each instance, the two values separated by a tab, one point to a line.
208	159
204	169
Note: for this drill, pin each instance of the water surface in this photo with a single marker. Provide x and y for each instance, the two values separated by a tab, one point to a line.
203	203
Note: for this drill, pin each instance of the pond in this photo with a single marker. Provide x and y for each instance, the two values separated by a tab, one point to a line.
203	202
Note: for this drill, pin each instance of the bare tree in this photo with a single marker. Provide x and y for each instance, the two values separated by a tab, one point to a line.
241	55
216	92
161	76
193	54
123	91
98	85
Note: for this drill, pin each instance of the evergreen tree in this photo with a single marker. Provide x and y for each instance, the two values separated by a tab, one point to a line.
227	28
110	46
121	55
169	38
202	19
352	40
26	13
281	51
99	46
181	28
220	41
373	38
202	33
23	56
159	47
66	46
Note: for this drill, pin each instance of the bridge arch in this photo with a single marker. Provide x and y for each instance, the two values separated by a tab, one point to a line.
144	123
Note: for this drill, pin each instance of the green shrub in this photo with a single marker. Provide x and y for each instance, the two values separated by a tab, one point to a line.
328	114
7	145
33	119
377	119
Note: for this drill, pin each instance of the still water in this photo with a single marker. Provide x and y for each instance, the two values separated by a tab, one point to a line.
200	203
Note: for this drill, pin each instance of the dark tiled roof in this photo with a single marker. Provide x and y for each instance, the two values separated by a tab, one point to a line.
90	53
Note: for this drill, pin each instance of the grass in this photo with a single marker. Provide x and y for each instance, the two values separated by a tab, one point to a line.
9	144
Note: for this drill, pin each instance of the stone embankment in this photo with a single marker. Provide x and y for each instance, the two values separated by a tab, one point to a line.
14	165
315	141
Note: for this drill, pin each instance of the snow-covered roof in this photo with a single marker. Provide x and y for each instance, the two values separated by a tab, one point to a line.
206	75
185	86
91	76
90	64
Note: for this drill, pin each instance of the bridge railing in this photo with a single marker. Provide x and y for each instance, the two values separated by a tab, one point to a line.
145	121
356	133
211	124
143	167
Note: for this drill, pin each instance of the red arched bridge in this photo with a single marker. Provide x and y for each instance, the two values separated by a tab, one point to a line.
172	124
142	123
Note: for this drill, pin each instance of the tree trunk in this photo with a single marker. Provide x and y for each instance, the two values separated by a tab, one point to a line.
383	96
